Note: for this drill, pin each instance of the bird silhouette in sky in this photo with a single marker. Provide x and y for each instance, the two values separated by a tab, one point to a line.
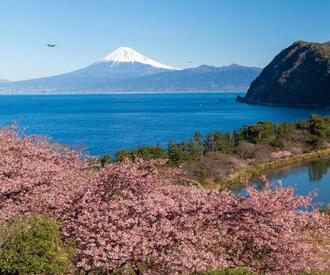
51	45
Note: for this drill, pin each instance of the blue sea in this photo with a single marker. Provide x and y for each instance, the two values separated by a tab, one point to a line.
105	123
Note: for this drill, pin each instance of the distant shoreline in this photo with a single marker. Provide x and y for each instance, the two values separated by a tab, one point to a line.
306	106
118	93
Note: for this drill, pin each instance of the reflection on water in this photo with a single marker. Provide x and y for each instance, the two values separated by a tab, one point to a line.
306	178
318	169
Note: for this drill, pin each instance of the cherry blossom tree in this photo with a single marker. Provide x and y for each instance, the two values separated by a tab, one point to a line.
133	214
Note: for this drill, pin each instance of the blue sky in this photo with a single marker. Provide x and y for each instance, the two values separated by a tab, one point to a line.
214	32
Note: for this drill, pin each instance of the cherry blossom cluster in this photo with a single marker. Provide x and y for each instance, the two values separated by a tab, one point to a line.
133	214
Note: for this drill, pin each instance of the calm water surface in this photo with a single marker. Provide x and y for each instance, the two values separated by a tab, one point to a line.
106	123
307	177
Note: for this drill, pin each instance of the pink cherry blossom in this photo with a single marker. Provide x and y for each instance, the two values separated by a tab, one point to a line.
134	213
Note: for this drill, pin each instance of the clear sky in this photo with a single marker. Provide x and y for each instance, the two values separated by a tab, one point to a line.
214	32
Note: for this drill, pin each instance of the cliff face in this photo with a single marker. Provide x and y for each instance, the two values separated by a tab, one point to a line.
298	76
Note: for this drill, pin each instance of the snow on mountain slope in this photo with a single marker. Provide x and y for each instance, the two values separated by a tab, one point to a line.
128	55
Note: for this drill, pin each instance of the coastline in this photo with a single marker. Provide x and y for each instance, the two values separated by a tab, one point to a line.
304	106
256	170
118	93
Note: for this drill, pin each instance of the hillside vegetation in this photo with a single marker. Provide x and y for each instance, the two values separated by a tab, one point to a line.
211	159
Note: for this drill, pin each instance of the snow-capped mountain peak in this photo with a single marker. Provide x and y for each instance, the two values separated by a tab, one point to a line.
128	55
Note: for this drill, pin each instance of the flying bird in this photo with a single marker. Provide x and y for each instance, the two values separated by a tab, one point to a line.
51	45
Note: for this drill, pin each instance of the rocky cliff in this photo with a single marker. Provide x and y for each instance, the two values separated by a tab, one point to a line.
297	76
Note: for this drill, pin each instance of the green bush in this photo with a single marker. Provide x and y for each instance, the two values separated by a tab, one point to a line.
144	152
203	173
317	142
149	152
277	143
33	245
285	129
184	152
258	132
320	126
122	154
223	142
105	160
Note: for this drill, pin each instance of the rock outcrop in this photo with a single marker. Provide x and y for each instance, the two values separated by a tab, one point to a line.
298	76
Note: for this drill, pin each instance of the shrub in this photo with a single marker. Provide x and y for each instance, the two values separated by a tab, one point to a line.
183	152
320	126
144	152
198	137
258	132
263	152
277	143
122	155
105	160
33	246
317	142
246	150
285	129
213	167
223	142
148	153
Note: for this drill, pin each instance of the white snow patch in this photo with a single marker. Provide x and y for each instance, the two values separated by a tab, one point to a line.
128	55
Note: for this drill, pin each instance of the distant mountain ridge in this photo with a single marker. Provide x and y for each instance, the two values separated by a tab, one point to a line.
127	70
298	76
226	78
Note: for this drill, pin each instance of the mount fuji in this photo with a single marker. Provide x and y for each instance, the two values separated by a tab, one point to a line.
125	70
128	55
121	64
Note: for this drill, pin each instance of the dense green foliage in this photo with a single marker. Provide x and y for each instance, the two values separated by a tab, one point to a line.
258	132
145	152
320	126
33	245
183	152
223	142
263	132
